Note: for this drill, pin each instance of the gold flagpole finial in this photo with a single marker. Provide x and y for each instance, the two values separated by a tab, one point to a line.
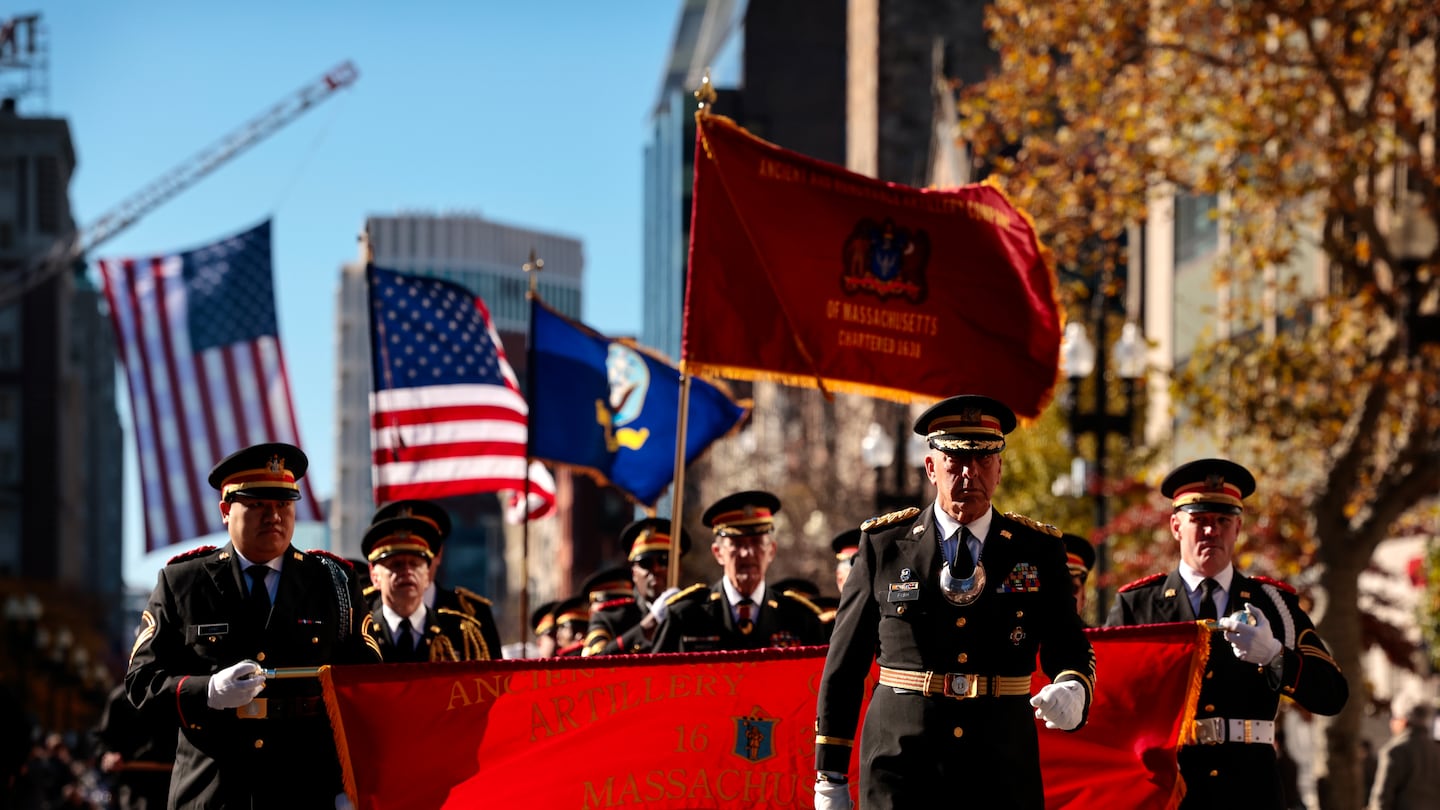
532	269
705	93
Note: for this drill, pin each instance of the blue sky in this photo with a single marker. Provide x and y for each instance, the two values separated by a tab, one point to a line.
533	114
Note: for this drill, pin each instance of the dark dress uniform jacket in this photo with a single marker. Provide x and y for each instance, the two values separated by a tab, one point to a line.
476	607
615	628
980	751
1220	775
445	635
197	624
700	620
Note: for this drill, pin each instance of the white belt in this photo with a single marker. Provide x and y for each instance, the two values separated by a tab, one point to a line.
1216	730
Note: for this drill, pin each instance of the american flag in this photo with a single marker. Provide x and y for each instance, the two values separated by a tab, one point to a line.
447	416
201	347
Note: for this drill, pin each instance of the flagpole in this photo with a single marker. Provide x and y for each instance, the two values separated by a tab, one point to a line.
532	273
705	95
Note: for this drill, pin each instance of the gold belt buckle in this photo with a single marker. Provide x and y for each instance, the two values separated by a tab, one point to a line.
961	686
256	709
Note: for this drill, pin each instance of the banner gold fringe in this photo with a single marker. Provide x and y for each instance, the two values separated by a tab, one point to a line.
337	728
809	381
1197	680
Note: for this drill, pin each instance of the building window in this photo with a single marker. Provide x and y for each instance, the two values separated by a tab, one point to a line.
49	195
1197	230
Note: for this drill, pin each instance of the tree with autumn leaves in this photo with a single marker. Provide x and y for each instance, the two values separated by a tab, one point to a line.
1312	125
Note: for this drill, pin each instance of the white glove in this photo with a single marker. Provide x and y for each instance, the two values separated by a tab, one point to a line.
1060	705
1250	637
832	796
342	802
658	608
235	685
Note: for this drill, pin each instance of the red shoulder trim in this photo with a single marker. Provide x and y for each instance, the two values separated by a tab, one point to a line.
1284	586
332	555
1139	582
622	601
191	554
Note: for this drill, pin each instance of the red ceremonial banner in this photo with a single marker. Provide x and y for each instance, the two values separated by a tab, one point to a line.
703	731
807	274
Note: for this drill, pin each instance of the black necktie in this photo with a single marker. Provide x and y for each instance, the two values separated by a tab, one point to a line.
405	639
259	601
1207	599
964	564
746	609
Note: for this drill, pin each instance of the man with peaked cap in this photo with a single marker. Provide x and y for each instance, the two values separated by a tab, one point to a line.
629	627
572	621
219	619
1264	648
542	624
739	612
400	551
956	601
845	544
608	590
1079	558
457	599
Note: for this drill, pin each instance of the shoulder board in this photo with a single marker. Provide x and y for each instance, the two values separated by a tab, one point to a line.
320	552
370	590
466	593
1284	586
1046	528
688	593
191	554
802	599
1141	582
893	517
613	603
464	617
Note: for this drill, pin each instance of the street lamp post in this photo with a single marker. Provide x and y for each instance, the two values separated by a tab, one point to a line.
880	451
1080	359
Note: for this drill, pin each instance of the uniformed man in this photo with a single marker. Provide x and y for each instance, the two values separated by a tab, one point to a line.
739	612
1079	558
631	627
542	625
400	551
1265	647
955	600
845	545
137	754
436	597
572	621
220	619
609	590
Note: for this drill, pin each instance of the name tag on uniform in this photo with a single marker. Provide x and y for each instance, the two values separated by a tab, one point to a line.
903	592
212	629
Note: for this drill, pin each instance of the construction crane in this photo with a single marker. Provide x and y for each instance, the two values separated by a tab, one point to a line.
65	252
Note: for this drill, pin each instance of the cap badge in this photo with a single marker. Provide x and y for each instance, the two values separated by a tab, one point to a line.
970	414
275	465
1214	482
749	511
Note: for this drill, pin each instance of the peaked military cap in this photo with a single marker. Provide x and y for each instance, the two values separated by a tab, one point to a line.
399	535
607	584
650	537
271	471
575	609
1208	485
743	513
1079	554
542	619
846	545
968	423
424	510
799	585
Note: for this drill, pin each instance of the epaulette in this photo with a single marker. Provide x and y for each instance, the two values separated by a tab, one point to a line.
1139	582
320	552
465	618
614	603
1284	586
466	593
191	554
687	593
893	517
802	599
370	591
1034	524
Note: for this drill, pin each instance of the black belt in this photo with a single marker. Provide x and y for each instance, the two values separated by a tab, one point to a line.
284	708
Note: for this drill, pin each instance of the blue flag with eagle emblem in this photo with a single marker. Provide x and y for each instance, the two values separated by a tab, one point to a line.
610	408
